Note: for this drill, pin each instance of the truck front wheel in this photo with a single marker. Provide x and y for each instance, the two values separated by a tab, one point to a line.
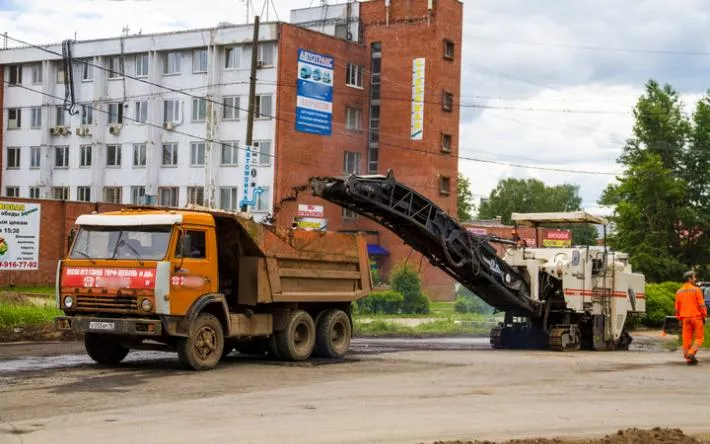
297	341
104	349
333	334
202	348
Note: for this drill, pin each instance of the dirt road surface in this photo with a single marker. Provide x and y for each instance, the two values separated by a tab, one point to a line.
389	391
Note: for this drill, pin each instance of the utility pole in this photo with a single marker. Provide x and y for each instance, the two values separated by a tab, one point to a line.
252	85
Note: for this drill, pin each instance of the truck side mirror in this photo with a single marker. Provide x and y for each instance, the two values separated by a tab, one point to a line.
70	237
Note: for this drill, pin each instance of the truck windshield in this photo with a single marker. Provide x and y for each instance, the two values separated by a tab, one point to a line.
141	243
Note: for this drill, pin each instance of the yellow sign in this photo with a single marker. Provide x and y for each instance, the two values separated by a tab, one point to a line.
556	243
417	130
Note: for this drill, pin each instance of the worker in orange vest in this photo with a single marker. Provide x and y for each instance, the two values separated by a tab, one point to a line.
691	312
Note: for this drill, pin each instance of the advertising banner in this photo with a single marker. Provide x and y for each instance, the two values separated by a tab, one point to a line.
111	278
311	223
310	210
557	238
19	236
314	93
417	130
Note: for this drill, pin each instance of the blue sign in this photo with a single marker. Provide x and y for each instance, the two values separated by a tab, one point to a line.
314	93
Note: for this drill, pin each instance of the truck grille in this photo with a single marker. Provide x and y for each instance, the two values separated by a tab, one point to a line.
107	302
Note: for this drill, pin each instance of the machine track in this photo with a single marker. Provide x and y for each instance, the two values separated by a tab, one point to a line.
564	338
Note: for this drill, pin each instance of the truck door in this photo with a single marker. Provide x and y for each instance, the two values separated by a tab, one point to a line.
194	268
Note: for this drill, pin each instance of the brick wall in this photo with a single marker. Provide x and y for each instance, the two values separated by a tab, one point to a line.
2	121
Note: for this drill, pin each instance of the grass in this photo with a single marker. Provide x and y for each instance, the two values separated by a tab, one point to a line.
37	289
25	315
438	327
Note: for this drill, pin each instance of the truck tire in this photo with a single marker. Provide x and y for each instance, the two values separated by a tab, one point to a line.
202	348
297	341
333	334
104	349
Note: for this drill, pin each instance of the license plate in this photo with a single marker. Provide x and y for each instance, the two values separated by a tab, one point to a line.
102	325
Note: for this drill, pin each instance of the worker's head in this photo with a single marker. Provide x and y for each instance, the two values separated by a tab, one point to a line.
689	276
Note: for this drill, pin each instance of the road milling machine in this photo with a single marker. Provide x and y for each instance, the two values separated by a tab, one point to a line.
558	298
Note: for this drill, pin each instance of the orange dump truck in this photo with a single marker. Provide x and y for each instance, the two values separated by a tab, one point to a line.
204	283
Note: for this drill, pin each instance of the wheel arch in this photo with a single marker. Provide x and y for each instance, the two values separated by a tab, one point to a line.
214	304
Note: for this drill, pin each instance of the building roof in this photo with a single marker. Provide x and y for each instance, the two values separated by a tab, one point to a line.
576	217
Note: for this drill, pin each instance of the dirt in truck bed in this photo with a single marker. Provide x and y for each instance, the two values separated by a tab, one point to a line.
628	436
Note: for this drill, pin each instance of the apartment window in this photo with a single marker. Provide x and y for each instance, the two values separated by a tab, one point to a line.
36	71
112	194
14	118
233	58
137	195
263	107
60	72
142	65
196	195
230	108
83	194
13	158
61	156
199	110
172	63
199	60
169	196
171	111
35	157
229	198
15	74
230	153
87	70
266	58
141	112
262	202
85	152
446	141
59	120
36	117
139	155
115	113
60	193
87	114
352	118
12	191
353	75
263	152
351	164
170	154
444	185
449	49
447	101
197	153
34	192
113	155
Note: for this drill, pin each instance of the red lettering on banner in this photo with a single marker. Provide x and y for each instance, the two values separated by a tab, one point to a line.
559	235
111	278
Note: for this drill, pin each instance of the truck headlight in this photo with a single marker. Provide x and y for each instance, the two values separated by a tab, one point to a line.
68	301
146	304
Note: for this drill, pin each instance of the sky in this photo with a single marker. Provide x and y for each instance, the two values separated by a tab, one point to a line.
546	84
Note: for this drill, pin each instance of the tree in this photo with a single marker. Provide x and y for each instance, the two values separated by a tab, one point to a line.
464	204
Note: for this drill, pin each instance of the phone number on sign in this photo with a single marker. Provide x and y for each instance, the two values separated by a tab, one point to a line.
18	264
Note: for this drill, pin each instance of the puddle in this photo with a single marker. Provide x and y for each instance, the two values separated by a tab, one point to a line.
51	362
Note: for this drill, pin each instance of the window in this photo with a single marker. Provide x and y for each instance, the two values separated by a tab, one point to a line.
60	72
172	63
229	198
199	60
444	185
353	75
35	157
196	195
233	58
112	194
13	158
14	118
139	155
169	196
352	118
447	101
171	111
83	194
115	113
59	120
230	108
87	70
12	191
267	54
36	117
262	202
137	195
61	156
142	65
113	155
85	152
197	153
197	245
15	74
262	109
60	193
199	110
446	140
263	152
141	112
351	164
170	154
115	67
230	153
449	49
36	71
87	114
34	192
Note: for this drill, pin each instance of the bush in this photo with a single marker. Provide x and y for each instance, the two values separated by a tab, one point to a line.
381	302
468	302
407	281
660	302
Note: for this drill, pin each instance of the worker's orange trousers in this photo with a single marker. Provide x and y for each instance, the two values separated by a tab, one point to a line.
693	335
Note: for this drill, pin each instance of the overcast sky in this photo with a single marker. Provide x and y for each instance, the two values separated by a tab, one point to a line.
547	83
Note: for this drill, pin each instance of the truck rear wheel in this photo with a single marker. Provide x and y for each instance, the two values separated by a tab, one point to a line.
104	349
202	348
297	341
333	334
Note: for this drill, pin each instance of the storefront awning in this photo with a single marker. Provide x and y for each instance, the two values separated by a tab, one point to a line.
376	250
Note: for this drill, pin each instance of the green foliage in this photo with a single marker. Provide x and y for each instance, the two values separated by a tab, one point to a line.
381	302
660	302
406	280
375	274
21	315
468	302
464	204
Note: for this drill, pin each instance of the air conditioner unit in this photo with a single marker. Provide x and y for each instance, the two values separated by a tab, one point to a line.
168	126
63	130
54	130
114	129
259	64
79	131
87	131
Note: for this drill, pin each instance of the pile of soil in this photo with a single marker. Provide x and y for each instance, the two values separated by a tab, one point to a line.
37	333
628	436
